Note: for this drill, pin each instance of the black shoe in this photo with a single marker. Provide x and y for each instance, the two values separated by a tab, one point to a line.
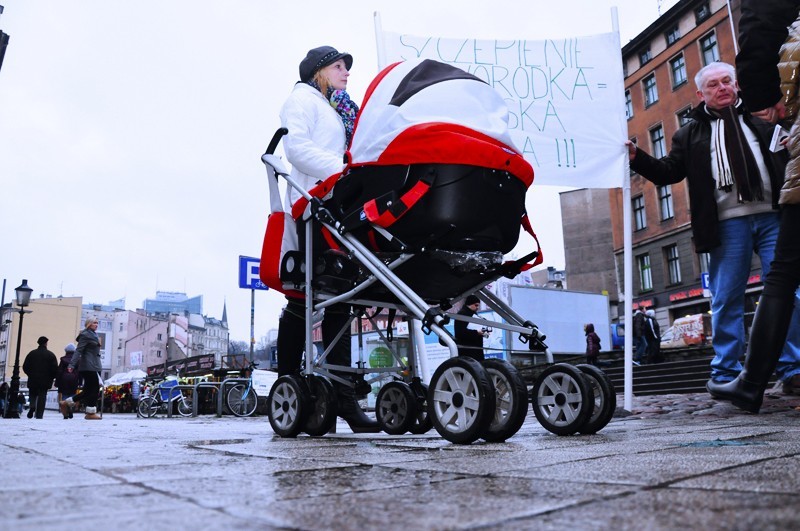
767	338
350	411
741	393
30	413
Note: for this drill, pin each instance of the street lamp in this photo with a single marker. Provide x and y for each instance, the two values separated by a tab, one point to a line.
23	299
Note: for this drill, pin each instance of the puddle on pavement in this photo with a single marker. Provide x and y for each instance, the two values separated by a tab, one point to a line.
213	442
718	442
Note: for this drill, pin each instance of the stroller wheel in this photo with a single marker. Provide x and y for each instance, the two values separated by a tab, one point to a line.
422	421
322	412
511	401
288	405
396	408
562	399
461	400
605	399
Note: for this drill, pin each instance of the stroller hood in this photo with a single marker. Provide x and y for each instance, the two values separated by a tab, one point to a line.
423	111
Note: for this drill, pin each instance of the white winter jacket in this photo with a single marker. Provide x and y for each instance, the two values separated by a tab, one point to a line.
315	143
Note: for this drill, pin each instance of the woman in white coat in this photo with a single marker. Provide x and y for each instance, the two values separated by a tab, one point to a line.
320	117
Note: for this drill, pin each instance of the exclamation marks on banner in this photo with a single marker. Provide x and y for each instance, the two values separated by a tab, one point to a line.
565	151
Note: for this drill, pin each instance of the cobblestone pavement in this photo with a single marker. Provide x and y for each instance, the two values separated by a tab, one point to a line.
702	405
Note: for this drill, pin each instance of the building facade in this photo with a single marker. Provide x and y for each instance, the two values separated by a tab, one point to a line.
57	318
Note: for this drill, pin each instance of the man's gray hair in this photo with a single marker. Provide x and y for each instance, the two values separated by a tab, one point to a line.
700	78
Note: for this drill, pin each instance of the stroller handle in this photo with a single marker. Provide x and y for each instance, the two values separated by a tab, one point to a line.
275	139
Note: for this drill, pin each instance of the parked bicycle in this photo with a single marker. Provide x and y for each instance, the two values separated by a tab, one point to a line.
242	399
155	398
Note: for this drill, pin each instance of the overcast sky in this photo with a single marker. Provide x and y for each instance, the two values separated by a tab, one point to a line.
130	132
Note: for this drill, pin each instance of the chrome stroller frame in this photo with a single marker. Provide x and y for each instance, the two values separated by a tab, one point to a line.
465	400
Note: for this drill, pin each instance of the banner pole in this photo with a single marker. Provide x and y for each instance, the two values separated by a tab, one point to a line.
627	264
380	46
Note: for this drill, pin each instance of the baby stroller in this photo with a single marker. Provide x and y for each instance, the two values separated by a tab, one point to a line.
432	197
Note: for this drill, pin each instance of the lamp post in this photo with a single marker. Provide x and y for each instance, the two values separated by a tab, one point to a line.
23	299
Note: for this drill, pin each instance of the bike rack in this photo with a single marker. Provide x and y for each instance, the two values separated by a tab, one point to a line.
222	385
219	386
179	387
195	396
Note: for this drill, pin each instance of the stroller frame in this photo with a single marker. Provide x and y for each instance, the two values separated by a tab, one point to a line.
464	400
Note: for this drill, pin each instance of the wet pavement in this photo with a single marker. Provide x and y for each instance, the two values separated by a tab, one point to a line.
674	462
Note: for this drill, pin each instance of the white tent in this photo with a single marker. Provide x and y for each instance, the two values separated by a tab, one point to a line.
126	377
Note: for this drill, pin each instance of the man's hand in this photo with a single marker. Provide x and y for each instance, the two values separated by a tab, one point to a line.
631	150
772	114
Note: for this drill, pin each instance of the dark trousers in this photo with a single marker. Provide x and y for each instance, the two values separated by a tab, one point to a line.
91	389
291	336
784	275
37	398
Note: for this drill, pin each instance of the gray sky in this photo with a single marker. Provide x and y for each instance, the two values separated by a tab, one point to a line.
130	132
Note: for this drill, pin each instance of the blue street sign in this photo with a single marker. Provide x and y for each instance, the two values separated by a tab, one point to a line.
704	280
248	273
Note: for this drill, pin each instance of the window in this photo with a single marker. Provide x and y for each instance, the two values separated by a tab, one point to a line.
704	261
665	202
678	68
645	275
658	142
119	344
650	90
702	12
639	219
644	56
120	327
684	116
158	353
673	264
628	105
672	35
159	337
709	49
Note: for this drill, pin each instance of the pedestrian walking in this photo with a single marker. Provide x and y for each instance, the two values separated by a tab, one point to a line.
86	360
592	344
40	365
639	339
66	381
653	335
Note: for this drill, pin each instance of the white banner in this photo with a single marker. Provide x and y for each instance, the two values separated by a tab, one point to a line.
565	98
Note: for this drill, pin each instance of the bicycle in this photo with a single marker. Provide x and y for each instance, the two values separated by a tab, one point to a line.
154	398
242	399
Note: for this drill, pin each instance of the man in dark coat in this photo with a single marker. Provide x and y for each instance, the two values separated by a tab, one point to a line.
733	180
470	342
40	365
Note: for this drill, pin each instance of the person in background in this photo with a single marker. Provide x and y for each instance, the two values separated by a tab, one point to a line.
592	344
3	398
734	179
66	382
319	116
40	365
763	28
653	335
470	341
86	360
639	339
